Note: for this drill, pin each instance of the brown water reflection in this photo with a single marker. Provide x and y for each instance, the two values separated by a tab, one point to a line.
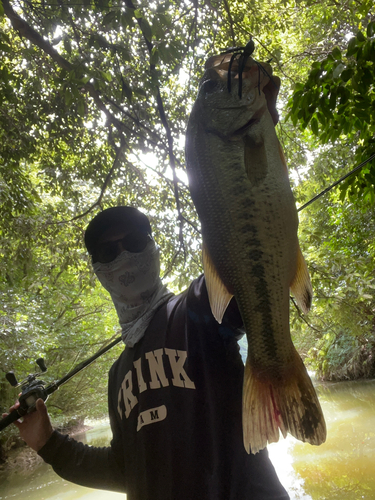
44	484
341	469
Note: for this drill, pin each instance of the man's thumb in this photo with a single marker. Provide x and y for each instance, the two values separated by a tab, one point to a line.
40	406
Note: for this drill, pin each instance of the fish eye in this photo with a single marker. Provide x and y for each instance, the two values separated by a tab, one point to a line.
209	86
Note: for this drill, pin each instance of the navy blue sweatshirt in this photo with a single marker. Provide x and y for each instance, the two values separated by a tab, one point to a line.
175	407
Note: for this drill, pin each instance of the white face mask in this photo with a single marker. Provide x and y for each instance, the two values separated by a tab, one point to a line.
133	281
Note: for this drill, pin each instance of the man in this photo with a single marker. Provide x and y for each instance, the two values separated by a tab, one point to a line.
175	393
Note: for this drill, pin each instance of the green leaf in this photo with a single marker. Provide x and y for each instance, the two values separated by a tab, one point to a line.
368	49
67	46
68	97
344	95
314	75
347	126
106	75
126	18
321	118
361	37
100	41
146	29
108	18
154	57
124	52
355	82
126	91
337	71
336	53
314	126
342	193
332	100
367	78
81	107
370	29
5	47
347	74
139	91
335	134
352	47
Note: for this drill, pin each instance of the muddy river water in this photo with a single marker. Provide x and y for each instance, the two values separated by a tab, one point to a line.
341	469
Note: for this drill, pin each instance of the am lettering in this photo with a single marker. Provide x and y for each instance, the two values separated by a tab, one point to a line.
151	416
155	360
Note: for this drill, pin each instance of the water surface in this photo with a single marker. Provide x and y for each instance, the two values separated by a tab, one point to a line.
343	468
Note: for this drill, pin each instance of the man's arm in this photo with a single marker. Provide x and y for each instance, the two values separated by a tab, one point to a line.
83	464
76	462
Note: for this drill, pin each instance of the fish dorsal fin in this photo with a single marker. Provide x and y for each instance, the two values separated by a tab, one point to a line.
301	284
218	294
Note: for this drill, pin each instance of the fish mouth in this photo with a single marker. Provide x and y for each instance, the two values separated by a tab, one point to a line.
240	106
253	120
228	68
244	128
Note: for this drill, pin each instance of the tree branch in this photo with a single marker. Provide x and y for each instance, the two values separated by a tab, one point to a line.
167	129
26	31
119	154
231	22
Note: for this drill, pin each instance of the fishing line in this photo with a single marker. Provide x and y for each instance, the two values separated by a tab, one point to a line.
337	182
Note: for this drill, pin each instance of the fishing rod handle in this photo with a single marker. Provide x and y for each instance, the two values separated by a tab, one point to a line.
9	419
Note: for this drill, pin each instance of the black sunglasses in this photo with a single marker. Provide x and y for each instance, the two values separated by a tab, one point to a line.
107	252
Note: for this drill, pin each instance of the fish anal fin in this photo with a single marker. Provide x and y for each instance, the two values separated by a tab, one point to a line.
301	284
218	294
280	404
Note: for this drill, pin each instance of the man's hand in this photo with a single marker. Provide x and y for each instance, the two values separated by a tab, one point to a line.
36	427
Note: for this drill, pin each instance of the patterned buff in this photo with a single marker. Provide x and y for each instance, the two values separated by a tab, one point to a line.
133	281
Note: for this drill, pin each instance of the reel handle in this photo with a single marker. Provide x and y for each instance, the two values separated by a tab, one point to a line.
11	378
42	365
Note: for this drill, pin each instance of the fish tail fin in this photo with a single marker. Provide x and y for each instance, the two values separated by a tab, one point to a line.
287	403
301	284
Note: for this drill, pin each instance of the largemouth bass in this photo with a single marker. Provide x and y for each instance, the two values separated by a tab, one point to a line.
240	187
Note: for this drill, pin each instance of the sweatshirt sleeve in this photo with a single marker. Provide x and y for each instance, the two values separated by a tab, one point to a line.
90	466
83	464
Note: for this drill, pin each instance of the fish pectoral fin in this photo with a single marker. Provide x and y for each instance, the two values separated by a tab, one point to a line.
301	284
218	294
284	401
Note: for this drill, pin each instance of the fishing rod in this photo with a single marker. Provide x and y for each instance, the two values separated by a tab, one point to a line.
358	167
33	388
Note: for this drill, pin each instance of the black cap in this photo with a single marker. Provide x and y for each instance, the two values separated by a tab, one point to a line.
111	218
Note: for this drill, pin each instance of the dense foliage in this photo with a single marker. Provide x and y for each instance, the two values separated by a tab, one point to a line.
94	100
337	103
